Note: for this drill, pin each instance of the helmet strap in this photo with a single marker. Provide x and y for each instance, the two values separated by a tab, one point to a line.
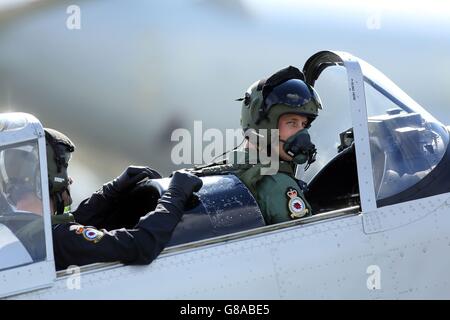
264	148
59	203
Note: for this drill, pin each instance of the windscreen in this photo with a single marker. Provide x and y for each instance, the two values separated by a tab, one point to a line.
22	237
406	141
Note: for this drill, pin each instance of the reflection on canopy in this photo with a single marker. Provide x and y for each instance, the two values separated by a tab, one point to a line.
406	141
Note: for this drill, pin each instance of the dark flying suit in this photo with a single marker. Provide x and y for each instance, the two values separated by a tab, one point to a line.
79	243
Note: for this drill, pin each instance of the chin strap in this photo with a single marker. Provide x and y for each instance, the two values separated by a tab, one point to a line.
59	203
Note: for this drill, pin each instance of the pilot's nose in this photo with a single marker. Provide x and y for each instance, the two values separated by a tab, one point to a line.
70	181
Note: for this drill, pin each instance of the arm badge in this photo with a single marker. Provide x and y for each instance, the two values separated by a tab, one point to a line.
89	233
296	205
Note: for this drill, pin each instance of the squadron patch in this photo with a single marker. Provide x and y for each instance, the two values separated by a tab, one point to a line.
90	234
296	205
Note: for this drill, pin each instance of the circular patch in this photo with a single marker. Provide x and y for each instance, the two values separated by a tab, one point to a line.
93	235
297	207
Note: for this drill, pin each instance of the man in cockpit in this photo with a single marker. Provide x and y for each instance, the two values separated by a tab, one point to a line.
283	102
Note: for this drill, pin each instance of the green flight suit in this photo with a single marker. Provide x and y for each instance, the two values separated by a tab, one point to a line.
279	196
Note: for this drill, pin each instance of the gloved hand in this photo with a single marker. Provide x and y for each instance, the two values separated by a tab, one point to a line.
131	176
184	184
180	190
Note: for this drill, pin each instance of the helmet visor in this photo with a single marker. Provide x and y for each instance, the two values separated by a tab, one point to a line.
63	153
294	92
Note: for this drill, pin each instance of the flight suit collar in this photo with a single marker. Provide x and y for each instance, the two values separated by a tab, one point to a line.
242	157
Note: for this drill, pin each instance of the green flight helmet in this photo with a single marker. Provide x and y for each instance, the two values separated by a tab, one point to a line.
284	92
59	149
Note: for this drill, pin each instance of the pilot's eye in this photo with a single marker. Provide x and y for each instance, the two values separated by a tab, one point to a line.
291	123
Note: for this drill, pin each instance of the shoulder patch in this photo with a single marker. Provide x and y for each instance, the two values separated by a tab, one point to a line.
93	235
89	233
296	205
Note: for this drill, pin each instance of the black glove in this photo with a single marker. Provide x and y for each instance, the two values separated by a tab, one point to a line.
181	188
131	176
184	184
